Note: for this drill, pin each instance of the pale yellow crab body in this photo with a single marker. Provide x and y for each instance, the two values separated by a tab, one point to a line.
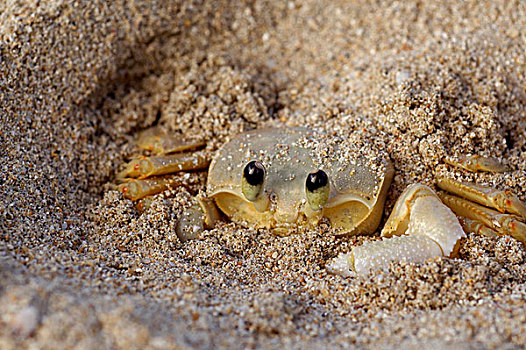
351	183
357	190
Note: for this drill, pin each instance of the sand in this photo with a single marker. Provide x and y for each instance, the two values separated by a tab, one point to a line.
81	268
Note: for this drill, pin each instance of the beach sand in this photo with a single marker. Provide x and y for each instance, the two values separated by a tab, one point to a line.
81	268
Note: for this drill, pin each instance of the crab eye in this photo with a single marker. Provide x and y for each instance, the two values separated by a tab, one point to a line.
252	180
317	189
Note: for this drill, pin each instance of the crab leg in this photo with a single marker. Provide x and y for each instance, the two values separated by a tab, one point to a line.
476	163
136	189
476	226
424	228
157	141
503	201
144	167
503	223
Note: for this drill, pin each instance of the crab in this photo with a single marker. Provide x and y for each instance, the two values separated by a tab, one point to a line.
283	179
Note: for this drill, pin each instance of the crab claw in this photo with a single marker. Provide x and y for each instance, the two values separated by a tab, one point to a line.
423	228
202	214
476	163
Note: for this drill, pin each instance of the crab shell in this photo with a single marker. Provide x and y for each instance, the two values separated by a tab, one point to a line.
357	190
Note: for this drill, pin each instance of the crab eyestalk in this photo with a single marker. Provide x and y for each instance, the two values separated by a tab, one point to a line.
252	183
317	189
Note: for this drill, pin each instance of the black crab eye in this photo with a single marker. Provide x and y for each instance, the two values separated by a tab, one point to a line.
252	180
317	189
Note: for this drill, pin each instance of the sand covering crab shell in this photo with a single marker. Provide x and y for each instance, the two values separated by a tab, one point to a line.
282	179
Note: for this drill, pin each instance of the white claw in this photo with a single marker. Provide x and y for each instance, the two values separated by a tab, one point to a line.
423	227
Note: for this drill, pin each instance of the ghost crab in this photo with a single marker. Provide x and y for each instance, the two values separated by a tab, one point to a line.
282	179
